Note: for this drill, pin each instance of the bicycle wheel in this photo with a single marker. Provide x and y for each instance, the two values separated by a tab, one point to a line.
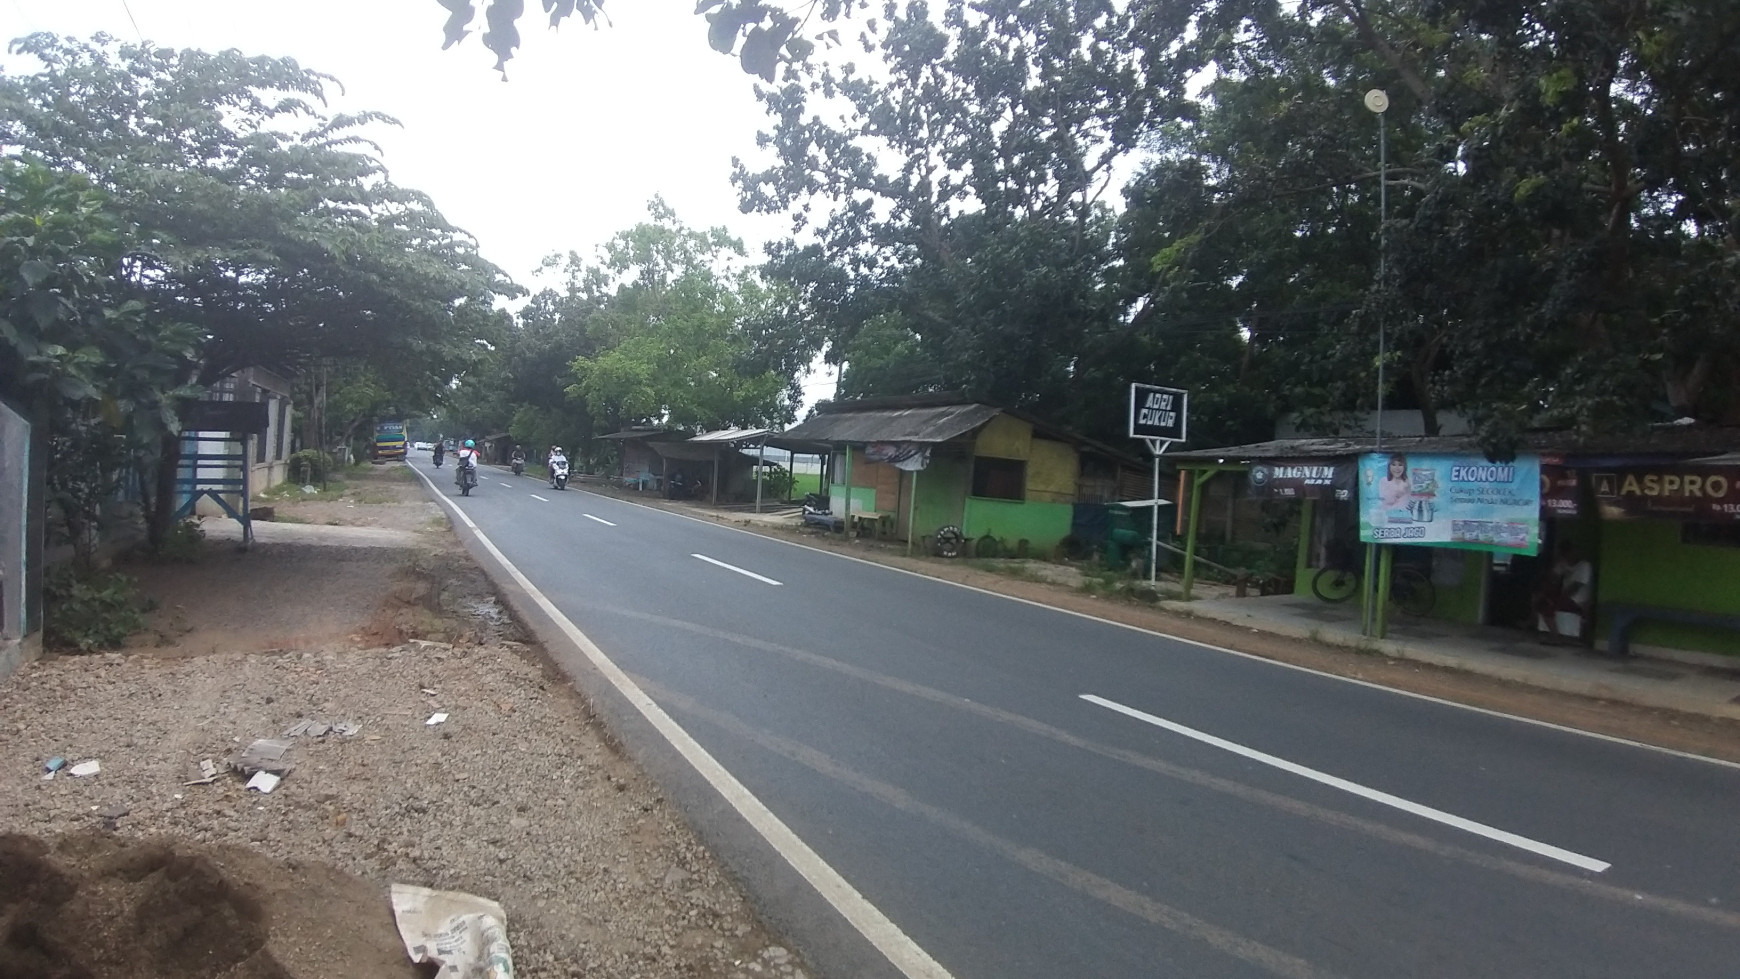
1335	584
1412	592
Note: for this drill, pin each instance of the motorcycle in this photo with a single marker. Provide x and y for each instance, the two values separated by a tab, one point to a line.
559	474
818	512
439	455
519	467
467	475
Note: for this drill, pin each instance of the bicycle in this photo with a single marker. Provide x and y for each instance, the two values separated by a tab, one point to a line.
1410	589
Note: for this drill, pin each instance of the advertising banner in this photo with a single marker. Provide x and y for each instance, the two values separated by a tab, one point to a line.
1450	501
1302	479
1671	491
1558	490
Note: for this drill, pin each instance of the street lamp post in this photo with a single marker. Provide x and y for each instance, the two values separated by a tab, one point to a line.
1376	568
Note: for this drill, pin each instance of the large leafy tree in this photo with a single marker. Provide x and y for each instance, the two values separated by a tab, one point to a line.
80	353
1561	240
262	222
682	334
960	201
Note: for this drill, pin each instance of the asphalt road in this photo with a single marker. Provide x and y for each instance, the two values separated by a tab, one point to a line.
1204	814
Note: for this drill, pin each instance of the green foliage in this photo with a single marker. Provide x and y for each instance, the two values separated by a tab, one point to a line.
307	466
674	329
769	34
226	223
90	610
777	482
79	347
184	544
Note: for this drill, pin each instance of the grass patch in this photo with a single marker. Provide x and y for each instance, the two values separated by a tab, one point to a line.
802	483
286	518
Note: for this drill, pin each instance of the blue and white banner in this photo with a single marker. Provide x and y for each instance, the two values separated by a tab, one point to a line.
1451	501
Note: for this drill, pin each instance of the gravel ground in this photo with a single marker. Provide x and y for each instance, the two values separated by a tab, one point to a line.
517	796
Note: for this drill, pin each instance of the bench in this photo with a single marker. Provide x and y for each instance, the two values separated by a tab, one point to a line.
880	525
1623	617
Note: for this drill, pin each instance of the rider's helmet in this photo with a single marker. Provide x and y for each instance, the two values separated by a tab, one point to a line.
470	444
555	450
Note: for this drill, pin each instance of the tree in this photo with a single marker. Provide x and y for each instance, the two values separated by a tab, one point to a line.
965	239
261	222
79	350
682	335
1560	250
769	33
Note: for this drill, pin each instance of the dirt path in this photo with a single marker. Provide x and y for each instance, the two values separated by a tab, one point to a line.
518	795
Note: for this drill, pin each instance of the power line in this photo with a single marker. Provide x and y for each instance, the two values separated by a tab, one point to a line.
125	6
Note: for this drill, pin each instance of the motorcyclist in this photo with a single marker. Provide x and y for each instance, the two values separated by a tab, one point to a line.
556	455
440	452
518	460
466	458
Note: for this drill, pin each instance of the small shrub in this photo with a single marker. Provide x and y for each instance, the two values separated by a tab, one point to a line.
183	544
89	610
309	466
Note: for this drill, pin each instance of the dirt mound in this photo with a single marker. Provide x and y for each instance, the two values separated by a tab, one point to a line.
98	907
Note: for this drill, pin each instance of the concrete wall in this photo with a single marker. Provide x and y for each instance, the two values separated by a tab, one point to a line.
1042	525
1053	472
21	542
1642	562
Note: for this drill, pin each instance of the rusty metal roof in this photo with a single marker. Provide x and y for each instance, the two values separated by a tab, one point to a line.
931	423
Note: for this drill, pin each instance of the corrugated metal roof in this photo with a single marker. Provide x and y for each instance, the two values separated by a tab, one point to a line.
648	434
727	435
1661	440
938	423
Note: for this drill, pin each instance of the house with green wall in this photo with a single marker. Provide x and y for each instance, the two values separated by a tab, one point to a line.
1657	514
908	467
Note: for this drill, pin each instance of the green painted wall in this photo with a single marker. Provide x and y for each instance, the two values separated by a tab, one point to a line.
942	494
1302	571
863	497
1459	601
1043	525
1642	562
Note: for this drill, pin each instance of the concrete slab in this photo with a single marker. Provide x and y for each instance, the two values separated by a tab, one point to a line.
317	534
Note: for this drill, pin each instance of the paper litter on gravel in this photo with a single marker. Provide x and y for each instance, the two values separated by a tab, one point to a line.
516	797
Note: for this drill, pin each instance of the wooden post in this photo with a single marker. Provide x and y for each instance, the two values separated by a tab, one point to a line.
911	514
1196	486
846	514
1386	562
760	464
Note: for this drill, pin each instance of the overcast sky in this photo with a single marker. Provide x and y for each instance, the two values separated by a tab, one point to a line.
589	126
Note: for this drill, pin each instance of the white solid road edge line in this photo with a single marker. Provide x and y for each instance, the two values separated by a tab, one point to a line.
1414	808
900	950
1355	681
733	567
601	520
